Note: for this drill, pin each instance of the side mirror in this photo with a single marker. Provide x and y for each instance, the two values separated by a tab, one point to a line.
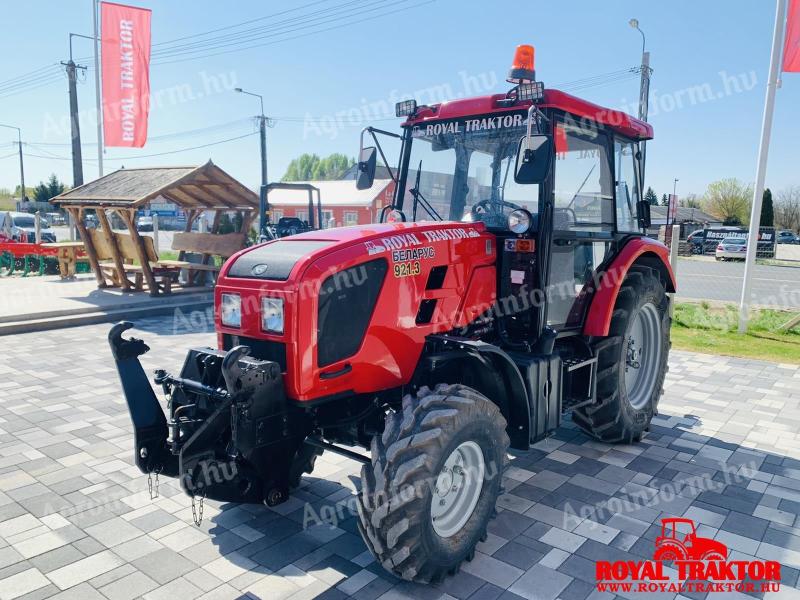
643	210
366	168
533	159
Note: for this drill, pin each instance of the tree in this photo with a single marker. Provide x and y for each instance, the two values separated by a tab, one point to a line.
767	212
728	200
45	191
651	197
690	201
787	208
664	200
309	167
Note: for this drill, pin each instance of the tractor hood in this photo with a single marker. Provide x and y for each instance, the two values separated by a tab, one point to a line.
284	259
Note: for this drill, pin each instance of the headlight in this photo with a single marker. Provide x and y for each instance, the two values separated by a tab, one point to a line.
272	315
231	310
519	221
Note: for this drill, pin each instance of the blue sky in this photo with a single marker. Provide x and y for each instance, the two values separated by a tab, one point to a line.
710	62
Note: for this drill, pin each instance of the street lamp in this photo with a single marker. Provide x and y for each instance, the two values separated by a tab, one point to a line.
21	165
675	185
263	206
644	91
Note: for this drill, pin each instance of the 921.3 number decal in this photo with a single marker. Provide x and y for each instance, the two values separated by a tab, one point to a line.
407	269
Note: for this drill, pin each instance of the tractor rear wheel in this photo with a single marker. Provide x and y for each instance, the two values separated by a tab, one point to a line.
632	362
435	476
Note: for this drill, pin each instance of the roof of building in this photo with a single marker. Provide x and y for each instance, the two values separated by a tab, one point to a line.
339	192
204	187
684	215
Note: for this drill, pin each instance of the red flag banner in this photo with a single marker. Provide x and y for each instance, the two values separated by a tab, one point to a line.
125	42
791	47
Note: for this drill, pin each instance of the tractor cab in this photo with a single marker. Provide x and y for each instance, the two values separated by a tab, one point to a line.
682	530
287	226
557	179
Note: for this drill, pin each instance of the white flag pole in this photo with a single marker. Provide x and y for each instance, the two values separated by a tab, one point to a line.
761	169
97	90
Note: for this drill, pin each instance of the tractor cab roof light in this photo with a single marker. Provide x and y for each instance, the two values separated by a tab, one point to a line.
523	69
530	91
405	108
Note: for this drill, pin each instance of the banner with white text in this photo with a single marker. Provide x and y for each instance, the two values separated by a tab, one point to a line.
125	43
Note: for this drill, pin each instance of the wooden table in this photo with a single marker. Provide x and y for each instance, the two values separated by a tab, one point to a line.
68	254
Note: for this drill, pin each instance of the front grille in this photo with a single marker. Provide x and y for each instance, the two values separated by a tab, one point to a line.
346	302
261	349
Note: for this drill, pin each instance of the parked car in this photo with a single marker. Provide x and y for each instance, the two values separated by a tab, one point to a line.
23	227
732	248
696	240
56	218
787	237
91	221
144	223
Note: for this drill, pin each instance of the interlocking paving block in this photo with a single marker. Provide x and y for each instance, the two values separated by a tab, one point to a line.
75	514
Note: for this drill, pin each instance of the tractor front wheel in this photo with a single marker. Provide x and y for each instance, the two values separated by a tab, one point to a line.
632	362
435	476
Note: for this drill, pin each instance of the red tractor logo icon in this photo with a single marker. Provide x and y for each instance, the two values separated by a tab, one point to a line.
679	541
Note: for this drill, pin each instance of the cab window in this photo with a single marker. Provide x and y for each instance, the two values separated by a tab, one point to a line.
583	191
626	187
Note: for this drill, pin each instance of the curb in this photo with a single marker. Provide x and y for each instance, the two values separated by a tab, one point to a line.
73	319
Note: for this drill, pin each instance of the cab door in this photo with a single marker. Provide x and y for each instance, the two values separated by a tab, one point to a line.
583	217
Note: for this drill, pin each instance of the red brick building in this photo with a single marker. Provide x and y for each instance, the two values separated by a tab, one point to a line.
342	203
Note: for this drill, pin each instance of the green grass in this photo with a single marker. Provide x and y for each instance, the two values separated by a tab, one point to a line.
7	204
713	329
167	255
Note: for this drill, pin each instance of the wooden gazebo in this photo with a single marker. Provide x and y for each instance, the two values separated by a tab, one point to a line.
194	189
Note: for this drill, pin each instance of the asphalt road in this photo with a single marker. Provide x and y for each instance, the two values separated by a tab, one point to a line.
707	279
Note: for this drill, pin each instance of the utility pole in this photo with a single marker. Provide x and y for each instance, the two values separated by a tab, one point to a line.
644	92
97	90
263	203
75	126
761	166
22	196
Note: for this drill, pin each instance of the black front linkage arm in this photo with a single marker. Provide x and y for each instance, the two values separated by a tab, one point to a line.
152	453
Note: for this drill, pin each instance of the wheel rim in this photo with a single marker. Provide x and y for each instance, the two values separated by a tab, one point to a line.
642	355
458	488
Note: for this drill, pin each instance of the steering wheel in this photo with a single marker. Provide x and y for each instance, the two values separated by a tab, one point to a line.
491	206
491	212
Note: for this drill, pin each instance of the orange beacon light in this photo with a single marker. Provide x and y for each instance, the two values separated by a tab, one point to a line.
522	69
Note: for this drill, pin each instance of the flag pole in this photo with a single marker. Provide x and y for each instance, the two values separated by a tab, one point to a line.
761	168
97	90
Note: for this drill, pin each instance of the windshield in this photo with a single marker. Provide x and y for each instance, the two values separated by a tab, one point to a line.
464	170
24	222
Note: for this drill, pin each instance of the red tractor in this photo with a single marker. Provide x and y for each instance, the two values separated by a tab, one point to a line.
508	284
679	541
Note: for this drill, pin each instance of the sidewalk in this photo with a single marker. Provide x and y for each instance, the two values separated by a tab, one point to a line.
35	303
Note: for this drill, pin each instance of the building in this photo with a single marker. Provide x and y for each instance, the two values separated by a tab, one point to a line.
342	203
685	214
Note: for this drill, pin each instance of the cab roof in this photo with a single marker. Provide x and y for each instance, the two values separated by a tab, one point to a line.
616	120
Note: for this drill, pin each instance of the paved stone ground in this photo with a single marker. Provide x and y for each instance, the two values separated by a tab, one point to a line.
76	519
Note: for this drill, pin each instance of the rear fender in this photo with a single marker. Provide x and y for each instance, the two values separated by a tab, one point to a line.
491	371
640	251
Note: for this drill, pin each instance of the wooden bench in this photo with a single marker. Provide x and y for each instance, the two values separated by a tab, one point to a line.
164	271
208	245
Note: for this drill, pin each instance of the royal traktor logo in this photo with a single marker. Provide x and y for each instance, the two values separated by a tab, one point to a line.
684	561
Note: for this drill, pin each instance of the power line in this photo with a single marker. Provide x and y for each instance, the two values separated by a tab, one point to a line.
245	34
261	45
137	157
167	136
